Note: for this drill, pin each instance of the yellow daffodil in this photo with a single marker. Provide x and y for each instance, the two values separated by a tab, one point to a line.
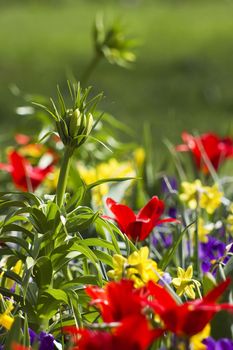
196	340
208	197
211	198
6	320
184	283
190	192
141	269
119	263
137	267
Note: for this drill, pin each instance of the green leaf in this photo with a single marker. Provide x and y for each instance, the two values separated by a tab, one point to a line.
13	276
82	280
58	294
7	293
208	282
61	102
103	227
99	243
170	253
112	179
76	199
17	228
228	269
19	241
43	272
105	258
80	219
75	305
26	337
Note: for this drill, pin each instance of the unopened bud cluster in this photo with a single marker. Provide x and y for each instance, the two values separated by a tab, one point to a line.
75	124
75	127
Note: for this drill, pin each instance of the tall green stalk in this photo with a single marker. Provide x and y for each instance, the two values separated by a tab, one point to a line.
90	68
63	176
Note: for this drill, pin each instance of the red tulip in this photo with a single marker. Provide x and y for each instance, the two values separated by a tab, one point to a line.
191	317
207	146
121	306
138	226
133	333
24	175
117	300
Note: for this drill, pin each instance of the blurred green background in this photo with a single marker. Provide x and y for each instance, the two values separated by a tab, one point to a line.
183	77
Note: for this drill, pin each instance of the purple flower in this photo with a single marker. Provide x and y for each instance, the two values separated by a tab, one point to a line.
33	336
165	278
169	184
210	251
221	344
172	212
164	239
45	340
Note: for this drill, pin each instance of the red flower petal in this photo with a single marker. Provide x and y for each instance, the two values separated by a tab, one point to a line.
162	298
191	317
122	214
152	210
215	293
139	230
117	300
209	146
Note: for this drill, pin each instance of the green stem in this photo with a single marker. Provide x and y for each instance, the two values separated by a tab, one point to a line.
196	239
90	68
63	176
197	288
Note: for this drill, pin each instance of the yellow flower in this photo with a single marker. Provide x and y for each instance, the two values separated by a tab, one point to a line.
107	170
137	267
6	320
189	193
141	269
196	340
184	282
139	156
203	230
119	263
229	220
32	150
209	197
51	180
16	269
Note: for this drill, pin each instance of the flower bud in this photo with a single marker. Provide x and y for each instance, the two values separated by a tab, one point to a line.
75	122
89	123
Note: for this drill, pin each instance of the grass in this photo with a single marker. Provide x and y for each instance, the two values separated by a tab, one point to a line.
182	78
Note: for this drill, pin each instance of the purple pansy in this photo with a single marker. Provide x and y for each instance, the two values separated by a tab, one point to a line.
221	344
210	251
45	340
